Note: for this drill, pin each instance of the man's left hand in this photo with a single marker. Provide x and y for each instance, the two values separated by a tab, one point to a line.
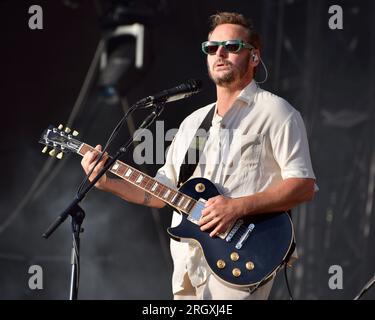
219	214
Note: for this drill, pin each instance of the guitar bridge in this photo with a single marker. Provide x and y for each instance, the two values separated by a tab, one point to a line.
244	237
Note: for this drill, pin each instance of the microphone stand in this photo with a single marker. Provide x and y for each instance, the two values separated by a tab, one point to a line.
365	288
77	220
78	214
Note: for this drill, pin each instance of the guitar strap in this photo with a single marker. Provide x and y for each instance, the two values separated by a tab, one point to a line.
196	148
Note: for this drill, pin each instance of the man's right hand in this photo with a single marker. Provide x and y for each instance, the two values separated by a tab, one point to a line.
88	161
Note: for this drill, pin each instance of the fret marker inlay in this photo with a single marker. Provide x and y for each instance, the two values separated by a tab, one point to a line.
128	173
186	204
180	202
174	197
167	194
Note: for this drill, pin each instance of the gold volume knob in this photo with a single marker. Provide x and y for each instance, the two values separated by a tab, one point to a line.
236	272
234	256
249	265
199	187
220	264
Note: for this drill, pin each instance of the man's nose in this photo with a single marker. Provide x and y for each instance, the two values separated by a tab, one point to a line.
221	52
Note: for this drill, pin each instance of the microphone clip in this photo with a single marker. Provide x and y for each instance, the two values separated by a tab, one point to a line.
182	91
146	103
158	108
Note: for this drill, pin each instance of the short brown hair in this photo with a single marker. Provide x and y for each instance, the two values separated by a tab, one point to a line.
236	18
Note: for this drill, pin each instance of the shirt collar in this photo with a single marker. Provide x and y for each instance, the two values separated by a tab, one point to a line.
245	97
248	93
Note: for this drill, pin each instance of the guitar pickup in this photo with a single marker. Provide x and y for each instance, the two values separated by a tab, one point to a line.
235	228
196	213
226	233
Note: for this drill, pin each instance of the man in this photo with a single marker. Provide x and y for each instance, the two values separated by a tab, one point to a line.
256	153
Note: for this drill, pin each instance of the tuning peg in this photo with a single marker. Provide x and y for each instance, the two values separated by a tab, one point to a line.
60	127
45	149
75	133
60	155
52	153
67	130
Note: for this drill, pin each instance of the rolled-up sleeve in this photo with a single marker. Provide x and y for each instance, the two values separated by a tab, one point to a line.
291	149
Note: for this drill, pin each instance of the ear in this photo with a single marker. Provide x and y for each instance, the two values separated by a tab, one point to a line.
254	57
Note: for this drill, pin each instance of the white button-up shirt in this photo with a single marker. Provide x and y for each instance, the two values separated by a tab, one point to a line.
260	141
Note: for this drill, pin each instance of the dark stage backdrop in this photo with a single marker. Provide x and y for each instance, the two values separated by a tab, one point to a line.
328	75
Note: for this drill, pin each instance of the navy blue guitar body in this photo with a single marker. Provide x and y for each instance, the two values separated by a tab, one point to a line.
268	243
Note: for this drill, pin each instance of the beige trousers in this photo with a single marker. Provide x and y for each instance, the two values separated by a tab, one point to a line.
213	289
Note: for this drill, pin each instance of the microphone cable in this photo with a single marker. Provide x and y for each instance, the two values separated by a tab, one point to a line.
112	136
287	282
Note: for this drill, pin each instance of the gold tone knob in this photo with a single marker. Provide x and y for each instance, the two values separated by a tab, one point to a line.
250	265
234	256
220	264
52	153
68	130
75	133
60	127
236	272
45	149
60	155
199	187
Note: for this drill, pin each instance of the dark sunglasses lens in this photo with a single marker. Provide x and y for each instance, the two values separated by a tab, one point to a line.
232	47
210	48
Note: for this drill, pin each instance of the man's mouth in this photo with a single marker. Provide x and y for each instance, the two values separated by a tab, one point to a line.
221	64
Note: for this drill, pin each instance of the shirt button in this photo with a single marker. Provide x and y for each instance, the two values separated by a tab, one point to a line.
223	126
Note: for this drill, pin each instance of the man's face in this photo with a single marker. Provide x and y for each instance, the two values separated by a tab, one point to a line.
229	69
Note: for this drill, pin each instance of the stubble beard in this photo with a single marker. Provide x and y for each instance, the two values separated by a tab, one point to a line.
224	79
232	75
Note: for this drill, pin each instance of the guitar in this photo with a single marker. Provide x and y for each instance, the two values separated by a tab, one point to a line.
248	254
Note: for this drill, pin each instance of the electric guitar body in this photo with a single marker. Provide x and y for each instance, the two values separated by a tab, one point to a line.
267	240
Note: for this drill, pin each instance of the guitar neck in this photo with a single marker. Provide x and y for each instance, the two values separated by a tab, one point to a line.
168	195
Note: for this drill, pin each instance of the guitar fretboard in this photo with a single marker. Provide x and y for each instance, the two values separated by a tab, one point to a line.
169	195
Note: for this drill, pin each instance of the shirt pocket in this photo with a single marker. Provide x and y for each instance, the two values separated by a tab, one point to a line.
251	150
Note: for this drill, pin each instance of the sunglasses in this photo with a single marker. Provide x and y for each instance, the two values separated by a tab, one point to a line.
233	46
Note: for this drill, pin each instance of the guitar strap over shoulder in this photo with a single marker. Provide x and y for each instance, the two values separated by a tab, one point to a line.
196	148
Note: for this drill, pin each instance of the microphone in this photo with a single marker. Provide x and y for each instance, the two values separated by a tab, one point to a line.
182	91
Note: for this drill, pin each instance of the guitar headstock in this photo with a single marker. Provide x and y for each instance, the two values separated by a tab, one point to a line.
58	141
